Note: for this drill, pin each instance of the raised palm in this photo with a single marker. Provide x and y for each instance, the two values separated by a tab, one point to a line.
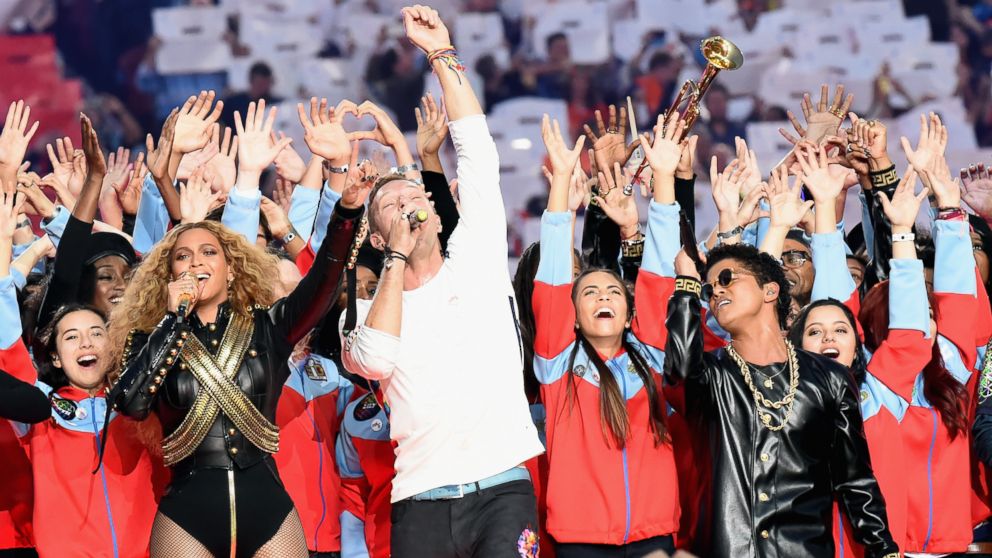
195	118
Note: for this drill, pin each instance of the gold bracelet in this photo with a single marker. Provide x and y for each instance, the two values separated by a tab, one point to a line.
689	285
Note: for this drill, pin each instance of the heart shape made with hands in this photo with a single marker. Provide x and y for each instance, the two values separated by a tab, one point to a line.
367	109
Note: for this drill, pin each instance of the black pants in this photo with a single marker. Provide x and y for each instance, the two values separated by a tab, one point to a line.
635	549
496	522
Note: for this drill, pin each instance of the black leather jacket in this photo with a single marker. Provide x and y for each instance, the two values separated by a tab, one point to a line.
771	493
263	370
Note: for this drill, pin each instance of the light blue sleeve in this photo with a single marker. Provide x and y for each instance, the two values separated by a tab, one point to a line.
661	243
555	266
20	281
10	315
328	199
152	220
909	307
241	213
866	227
55	227
954	264
303	210
832	278
352	537
763	224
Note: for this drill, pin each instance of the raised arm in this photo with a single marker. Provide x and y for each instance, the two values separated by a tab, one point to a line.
685	360
786	209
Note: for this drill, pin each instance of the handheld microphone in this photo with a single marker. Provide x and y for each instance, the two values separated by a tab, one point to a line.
184	301
416	218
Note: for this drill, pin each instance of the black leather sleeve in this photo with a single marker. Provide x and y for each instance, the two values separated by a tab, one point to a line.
147	359
878	268
444	204
854	482
600	240
684	355
981	434
685	195
301	311
21	401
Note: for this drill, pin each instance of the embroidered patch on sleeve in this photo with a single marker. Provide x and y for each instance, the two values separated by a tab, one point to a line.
528	544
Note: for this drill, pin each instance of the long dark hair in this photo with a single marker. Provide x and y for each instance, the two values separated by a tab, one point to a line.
612	403
859	366
941	389
523	289
47	371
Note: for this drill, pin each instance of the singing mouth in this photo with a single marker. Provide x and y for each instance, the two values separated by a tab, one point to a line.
202	276
831	353
115	300
723	303
87	361
604	313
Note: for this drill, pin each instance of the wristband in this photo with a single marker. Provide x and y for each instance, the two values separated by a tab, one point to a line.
730	234
637	233
903	237
23	224
290	236
951	214
632	248
688	285
405	168
884	177
335	170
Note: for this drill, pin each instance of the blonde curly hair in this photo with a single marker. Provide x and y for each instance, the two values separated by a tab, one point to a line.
144	302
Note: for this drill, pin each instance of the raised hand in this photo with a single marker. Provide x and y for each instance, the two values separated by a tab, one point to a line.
36	200
945	189
579	190
15	137
358	186
976	190
68	164
276	218
786	208
610	145
432	126
223	164
96	165
289	164
685	169
665	153
255	151
385	132
749	161
727	186
196	159
563	159
282	194
930	145
11	205
904	206
196	197
158	157
617	201
825	182
324	134
194	121
424	28
825	118
118	165
129	192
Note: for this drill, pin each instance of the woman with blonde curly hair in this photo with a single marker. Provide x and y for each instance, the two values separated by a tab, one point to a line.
204	346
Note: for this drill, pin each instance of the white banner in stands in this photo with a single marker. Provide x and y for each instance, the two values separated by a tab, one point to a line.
189	23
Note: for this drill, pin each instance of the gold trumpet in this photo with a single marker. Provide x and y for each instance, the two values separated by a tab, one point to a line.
720	55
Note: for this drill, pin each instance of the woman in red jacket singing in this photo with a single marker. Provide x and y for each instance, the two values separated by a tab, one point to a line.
612	484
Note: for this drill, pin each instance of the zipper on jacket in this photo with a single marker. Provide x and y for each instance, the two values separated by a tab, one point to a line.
103	478
933	442
626	472
320	460
840	533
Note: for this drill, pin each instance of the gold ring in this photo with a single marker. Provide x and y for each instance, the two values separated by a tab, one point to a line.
838	113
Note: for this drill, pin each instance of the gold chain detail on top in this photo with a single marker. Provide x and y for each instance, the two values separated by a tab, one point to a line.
985	380
759	398
194	427
363	229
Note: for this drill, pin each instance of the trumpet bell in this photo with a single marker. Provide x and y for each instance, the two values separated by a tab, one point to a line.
722	53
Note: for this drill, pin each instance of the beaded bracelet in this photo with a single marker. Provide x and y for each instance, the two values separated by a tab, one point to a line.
449	57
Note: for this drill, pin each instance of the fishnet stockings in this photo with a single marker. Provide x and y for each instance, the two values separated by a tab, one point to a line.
289	541
169	540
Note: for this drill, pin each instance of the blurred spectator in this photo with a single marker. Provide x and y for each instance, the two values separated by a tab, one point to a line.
118	127
499	85
657	88
395	77
554	74
260	84
172	90
583	99
721	128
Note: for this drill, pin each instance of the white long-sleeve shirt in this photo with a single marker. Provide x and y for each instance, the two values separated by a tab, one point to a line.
453	378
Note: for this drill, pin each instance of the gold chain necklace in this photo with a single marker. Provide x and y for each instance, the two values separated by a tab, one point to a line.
759	398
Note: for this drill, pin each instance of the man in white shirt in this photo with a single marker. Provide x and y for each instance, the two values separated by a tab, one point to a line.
441	336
